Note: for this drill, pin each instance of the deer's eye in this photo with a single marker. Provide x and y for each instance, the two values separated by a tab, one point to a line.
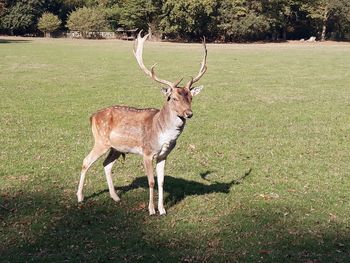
175	99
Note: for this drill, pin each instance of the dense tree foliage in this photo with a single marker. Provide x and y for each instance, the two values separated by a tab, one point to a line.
87	19
143	14
21	16
2	6
218	20
189	19
326	13
240	20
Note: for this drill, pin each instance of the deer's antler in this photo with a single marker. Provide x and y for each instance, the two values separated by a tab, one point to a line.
202	69
138	50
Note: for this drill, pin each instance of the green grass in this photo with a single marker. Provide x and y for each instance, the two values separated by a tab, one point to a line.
260	174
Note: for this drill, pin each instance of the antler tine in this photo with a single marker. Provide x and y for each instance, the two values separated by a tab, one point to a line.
139	43
178	82
189	83
203	67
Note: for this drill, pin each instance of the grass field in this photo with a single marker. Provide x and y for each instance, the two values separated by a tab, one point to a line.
260	174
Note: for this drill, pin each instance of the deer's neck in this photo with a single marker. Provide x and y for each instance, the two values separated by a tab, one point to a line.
168	119
169	126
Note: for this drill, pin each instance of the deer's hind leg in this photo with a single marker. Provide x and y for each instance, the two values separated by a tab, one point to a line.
108	165
97	151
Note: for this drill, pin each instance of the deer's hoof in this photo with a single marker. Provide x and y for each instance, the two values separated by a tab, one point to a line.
115	198
162	211
152	211
80	197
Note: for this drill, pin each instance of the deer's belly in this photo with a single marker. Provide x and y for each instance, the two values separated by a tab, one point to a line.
126	144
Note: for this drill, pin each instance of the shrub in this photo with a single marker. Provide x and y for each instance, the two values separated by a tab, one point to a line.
48	23
86	20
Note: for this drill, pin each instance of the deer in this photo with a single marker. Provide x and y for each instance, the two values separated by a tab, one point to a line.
149	132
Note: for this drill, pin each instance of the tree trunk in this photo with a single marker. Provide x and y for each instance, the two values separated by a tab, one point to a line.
150	31
324	25
324	30
274	37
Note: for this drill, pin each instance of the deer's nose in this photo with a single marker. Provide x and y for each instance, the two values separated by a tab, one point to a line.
188	114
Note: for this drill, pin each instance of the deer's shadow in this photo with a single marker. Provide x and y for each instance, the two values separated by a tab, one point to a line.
178	188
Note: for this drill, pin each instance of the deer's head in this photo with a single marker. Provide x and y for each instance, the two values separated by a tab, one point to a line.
179	98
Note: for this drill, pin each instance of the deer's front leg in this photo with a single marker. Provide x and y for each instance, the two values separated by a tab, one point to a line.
160	179
147	162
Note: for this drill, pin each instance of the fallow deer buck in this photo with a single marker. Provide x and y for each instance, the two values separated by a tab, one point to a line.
149	132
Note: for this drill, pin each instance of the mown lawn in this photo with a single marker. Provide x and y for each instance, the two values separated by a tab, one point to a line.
260	174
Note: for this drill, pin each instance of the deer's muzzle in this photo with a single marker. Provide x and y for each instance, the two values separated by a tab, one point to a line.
188	114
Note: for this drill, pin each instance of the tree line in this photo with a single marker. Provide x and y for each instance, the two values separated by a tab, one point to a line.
186	20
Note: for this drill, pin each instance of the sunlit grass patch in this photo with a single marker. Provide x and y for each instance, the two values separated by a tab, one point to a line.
260	173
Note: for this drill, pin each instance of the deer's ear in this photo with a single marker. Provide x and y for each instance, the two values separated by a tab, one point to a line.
196	90
166	91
